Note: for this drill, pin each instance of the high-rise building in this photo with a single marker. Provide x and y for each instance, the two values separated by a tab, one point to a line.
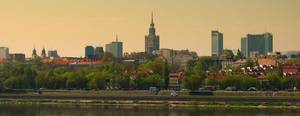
260	44
4	53
216	43
116	48
53	54
89	52
99	53
151	40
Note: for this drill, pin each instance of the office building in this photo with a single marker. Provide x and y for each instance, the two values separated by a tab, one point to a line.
216	43
115	48
4	53
89	52
99	53
259	44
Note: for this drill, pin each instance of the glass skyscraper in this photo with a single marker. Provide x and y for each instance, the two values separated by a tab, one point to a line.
261	44
116	48
216	43
89	52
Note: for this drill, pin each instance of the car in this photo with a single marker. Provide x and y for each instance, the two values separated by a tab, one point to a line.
231	88
174	93
154	90
252	89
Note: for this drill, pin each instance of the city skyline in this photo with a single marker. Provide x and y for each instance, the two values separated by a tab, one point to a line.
68	26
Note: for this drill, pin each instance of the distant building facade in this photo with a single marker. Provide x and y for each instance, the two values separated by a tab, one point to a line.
17	57
115	48
139	56
4	53
53	54
216	43
89	52
177	58
260	44
99	53
152	40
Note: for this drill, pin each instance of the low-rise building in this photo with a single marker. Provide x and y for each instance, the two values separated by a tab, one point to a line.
267	61
178	58
53	54
139	56
291	70
17	57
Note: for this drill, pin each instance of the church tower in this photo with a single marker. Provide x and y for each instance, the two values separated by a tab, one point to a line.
43	55
34	55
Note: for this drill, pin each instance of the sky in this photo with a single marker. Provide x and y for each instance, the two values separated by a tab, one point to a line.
69	25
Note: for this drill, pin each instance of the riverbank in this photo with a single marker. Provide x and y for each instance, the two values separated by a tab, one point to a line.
280	100
152	104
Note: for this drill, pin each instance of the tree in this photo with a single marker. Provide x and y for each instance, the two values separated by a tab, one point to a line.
211	82
123	81
249	63
99	80
247	82
275	82
15	82
202	65
155	81
191	82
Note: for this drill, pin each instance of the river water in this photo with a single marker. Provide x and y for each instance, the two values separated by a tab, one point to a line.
74	110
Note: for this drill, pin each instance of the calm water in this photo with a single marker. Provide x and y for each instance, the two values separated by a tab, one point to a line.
67	110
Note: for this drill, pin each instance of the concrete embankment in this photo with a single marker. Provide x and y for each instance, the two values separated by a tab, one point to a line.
171	102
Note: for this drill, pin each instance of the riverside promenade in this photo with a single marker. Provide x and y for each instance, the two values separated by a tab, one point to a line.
136	98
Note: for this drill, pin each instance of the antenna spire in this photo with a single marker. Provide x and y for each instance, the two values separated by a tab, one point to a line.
152	22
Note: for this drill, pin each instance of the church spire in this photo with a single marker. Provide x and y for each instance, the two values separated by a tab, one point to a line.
34	55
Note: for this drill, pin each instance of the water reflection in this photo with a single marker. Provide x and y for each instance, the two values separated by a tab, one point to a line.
75	110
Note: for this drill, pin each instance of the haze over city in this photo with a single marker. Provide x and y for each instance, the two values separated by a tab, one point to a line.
69	25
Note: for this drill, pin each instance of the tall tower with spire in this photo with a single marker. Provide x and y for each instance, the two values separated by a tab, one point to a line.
151	40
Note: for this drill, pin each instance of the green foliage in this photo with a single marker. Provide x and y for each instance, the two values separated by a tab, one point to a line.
275	82
249	63
211	82
241	82
99	80
191	82
202	65
15	82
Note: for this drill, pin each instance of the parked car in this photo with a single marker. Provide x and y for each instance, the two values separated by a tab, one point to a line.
252	89
174	93
231	88
153	90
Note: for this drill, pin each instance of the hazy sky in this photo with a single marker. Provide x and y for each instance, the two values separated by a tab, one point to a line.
69	25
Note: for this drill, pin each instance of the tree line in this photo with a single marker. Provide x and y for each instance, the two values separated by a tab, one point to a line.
112	76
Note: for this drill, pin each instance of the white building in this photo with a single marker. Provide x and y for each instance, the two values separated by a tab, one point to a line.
4	53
